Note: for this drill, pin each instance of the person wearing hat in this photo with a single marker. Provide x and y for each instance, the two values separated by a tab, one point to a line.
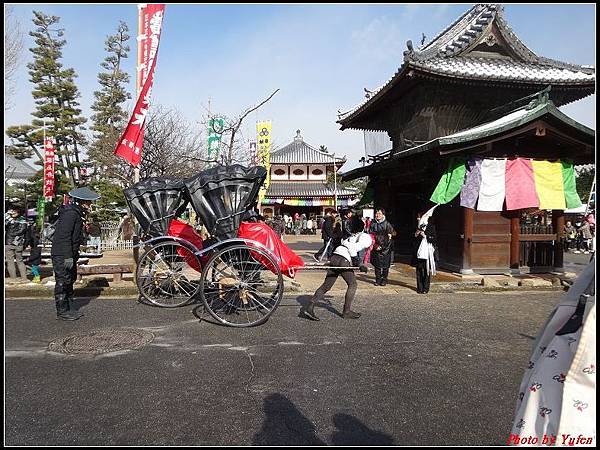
65	249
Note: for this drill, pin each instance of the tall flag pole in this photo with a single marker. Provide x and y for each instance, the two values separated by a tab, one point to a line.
263	139
130	145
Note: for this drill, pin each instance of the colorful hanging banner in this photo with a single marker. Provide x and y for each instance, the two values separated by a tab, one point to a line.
549	184
520	185
492	190
572	199
451	182
131	143
470	190
263	139
215	132
49	153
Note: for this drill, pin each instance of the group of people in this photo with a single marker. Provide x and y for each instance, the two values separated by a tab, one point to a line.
68	237
579	237
349	242
19	235
300	224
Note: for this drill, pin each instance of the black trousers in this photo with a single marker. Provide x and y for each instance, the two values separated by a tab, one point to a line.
423	278
65	278
381	273
331	277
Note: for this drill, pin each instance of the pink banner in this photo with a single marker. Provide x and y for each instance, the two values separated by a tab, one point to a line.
48	169
520	185
131	143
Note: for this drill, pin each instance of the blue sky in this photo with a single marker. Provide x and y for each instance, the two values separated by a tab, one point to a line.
319	56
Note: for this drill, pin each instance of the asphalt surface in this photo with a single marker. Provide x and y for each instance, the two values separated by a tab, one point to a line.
413	370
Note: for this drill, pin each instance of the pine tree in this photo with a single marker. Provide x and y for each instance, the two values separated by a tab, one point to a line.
110	118
55	95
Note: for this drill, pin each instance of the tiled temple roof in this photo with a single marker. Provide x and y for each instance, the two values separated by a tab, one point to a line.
299	152
480	45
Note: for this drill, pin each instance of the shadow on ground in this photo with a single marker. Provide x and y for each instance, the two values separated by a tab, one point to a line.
324	304
286	425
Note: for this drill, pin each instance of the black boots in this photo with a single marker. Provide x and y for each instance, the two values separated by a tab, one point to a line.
65	309
309	311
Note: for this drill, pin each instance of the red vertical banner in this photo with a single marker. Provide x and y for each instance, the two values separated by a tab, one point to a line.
48	169
130	145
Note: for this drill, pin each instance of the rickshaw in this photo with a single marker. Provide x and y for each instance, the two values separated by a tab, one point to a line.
238	280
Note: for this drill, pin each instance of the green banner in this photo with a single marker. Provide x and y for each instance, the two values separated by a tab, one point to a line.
572	199
451	182
215	131
41	210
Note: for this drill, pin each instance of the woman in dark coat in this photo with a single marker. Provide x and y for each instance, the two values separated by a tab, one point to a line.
381	255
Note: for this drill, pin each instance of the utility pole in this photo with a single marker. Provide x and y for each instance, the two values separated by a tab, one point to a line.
334	184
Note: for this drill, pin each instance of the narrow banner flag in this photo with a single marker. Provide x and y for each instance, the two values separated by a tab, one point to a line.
48	169
130	145
41	212
263	138
215	132
253	154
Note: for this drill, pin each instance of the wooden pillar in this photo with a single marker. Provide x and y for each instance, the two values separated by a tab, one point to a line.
515	235
558	224
468	214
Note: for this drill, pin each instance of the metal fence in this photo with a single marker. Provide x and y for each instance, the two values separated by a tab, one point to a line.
117	245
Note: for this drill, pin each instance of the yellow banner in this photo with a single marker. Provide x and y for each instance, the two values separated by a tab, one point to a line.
549	184
263	150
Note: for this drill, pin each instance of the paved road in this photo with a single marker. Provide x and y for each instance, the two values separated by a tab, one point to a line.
419	370
576	262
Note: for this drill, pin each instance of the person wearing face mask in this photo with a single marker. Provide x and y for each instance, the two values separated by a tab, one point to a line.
68	237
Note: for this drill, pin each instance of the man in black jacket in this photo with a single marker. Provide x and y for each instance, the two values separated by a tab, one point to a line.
65	250
346	219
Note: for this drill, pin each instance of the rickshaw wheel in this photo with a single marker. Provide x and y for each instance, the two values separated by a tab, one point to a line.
165	275
241	286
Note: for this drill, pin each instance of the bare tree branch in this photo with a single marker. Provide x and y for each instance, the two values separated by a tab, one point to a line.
13	48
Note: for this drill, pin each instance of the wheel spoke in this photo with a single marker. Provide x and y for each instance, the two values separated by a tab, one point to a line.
237	301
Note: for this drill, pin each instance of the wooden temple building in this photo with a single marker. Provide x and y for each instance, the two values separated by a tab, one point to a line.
474	90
